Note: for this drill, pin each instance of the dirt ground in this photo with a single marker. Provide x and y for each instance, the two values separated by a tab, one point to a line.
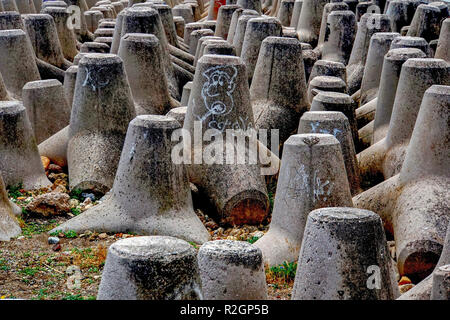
31	268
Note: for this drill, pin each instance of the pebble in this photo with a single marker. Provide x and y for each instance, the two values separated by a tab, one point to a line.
49	204
56	247
53	240
73	203
89	196
102	236
405	287
20	238
45	162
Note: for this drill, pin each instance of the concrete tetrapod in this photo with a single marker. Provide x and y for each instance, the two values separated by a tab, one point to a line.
414	204
379	46
19	157
325	24
325	83
150	268
194	38
443	47
441	283
335	101
339	36
9	227
142	57
224	20
422	291
401	13
103	107
367	27
328	68
70	78
146	20
233	24
238	39
41	29
17	63
278	90
390	75
412	42
296	11
257	30
344	256
335	123
232	270
47	108
66	35
309	22
385	158
151	193
250	5
285	12
426	22
312	175
235	187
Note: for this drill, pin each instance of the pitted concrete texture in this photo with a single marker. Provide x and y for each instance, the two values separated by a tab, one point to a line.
411	42
312	175
47	107
142	56
278	90
368	26
328	68
151	193
390	75
19	157
308	27
325	83
150	268
9	226
339	36
344	256
232	270
257	30
386	156
237	189
224	20
102	108
414	204
378	48
17	64
443	47
335	123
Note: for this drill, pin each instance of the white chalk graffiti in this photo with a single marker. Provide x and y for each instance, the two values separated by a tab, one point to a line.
217	96
300	185
321	189
93	79
297	185
315	129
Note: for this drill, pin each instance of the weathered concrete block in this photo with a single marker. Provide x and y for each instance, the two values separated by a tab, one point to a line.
339	36
308	26
312	175
47	108
414	204
390	74
335	123
102	108
150	268
238	39
9	228
344	256
257	30
142	56
232	270
224	20
385	157
278	90
236	189
19	157
443	47
367	27
18	64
